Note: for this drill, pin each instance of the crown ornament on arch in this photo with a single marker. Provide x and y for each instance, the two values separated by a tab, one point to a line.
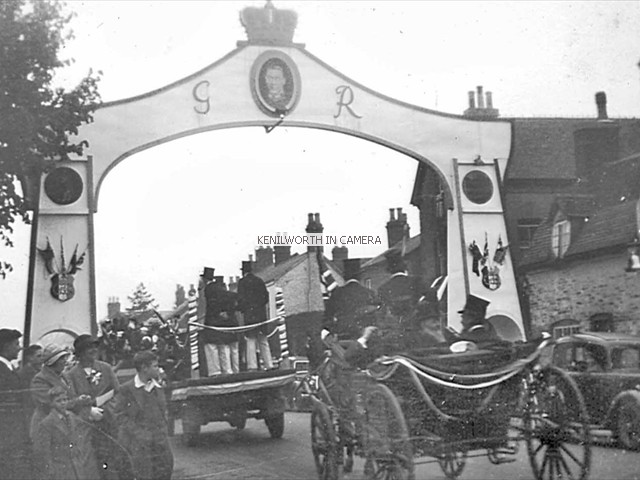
269	25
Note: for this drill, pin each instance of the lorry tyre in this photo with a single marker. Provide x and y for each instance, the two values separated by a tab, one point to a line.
275	424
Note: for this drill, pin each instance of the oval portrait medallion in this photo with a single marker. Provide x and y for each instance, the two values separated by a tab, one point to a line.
275	83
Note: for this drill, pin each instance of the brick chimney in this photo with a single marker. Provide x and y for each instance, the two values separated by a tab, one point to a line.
338	254
397	226
477	108
113	307
282	253
264	258
314	226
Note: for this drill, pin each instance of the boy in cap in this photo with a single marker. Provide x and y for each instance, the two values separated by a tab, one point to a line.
62	442
142	417
15	447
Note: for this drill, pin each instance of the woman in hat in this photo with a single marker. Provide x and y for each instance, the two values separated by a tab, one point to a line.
54	361
97	379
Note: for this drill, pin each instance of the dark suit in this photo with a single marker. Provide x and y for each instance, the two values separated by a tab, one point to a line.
143	431
15	458
106	450
399	296
253	298
221	312
349	309
482	332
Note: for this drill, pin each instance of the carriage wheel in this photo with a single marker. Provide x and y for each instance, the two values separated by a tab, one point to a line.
556	427
452	463
386	437
324	443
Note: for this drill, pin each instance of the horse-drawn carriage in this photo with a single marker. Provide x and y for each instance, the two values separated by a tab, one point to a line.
436	406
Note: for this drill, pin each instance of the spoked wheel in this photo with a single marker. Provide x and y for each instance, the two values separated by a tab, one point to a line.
452	463
386	438
324	443
556	427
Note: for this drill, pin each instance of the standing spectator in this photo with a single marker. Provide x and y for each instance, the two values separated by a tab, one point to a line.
15	458
141	413
54	359
31	365
62	442
253	298
97	379
352	306
221	348
399	296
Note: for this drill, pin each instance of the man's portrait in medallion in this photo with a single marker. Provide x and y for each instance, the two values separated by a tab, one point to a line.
275	83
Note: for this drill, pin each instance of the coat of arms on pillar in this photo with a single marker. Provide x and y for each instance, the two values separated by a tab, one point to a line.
61	274
485	265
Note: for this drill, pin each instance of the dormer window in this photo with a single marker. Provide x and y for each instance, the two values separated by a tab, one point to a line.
560	238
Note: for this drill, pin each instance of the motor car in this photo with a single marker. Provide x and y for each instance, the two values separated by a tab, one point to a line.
606	368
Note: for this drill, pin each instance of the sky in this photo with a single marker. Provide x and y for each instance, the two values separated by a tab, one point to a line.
202	200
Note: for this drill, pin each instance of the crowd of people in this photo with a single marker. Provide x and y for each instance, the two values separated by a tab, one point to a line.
65	416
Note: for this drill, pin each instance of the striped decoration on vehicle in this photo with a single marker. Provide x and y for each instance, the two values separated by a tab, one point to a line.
193	332
282	326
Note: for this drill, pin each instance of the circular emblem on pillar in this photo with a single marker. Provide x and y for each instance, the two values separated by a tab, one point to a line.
63	185
275	83
477	187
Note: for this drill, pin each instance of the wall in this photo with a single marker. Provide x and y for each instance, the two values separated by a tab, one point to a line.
583	288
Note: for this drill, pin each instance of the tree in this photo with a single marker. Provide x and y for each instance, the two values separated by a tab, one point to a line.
181	297
36	118
141	301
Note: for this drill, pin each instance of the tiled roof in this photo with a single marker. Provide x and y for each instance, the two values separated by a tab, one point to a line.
608	227
412	244
576	205
274	272
543	148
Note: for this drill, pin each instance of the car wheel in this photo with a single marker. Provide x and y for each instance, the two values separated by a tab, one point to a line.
629	426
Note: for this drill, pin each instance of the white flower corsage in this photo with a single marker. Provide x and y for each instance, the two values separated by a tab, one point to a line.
94	377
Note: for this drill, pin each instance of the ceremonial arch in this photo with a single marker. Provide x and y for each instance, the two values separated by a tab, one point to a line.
269	81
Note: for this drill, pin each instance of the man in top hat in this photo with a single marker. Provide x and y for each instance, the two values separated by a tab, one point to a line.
15	458
221	347
475	328
352	306
253	298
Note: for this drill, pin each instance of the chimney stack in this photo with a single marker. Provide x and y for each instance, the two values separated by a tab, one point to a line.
282	253
314	227
397	227
339	254
601	103
113	307
479	110
264	258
